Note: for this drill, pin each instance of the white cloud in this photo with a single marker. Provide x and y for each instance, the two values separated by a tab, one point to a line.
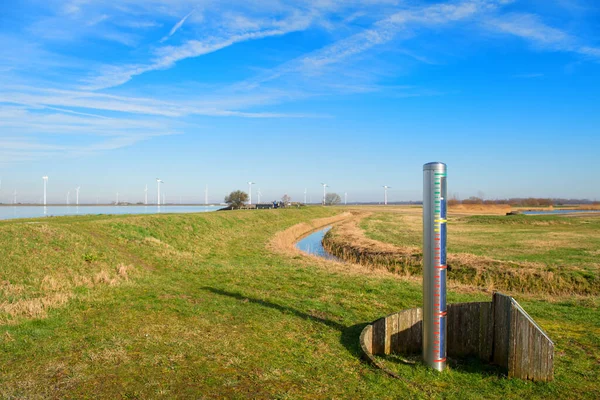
531	28
168	56
177	26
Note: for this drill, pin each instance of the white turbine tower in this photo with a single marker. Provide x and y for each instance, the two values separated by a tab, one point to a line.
250	190
146	195
304	195
385	188
117	203
346	198
158	182
258	195
15	197
77	195
325	186
45	178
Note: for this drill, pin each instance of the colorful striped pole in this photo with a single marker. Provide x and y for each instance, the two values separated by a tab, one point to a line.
434	265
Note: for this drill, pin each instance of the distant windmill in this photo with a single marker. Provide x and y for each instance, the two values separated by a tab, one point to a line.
45	178
117	202
325	186
250	190
158	182
77	194
385	189
258	195
146	195
15	197
346	198
304	195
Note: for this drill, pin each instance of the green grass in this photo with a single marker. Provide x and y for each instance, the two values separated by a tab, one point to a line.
206	311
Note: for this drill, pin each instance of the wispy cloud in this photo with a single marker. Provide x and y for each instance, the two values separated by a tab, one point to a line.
166	57
380	33
531	28
177	26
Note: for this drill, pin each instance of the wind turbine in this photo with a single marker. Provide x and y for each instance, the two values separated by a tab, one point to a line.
304	195
158	182
45	178
258	195
77	194
325	186
346	198
146	195
15	198
385	188
250	186
117	203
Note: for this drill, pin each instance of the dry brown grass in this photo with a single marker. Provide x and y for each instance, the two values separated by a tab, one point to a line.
589	207
54	291
489	209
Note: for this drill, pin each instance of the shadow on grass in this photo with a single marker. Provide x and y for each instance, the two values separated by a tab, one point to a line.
348	334
349	337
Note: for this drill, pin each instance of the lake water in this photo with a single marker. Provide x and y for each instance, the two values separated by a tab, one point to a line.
13	212
313	244
554	212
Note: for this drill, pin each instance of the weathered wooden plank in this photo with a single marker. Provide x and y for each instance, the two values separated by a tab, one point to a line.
451	331
544	360
539	357
418	331
502	321
531	357
414	334
394	334
391	326
550	360
512	357
486	332
404	335
523	349
379	336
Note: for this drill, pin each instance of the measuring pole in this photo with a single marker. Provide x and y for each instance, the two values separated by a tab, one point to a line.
434	265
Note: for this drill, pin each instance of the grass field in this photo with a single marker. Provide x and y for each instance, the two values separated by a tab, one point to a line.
197	306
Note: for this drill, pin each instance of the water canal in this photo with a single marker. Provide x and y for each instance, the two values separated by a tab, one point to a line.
313	244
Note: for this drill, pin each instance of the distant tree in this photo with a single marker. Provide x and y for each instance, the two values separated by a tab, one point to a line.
286	199
332	199
236	199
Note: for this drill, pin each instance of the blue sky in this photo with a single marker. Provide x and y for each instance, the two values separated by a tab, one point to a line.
289	94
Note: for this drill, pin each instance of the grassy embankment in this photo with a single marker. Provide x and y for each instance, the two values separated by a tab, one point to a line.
196	306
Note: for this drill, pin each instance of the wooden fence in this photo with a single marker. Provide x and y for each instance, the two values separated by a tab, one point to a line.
500	332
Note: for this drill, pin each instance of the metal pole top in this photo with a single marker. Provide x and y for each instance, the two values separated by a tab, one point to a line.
434	166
